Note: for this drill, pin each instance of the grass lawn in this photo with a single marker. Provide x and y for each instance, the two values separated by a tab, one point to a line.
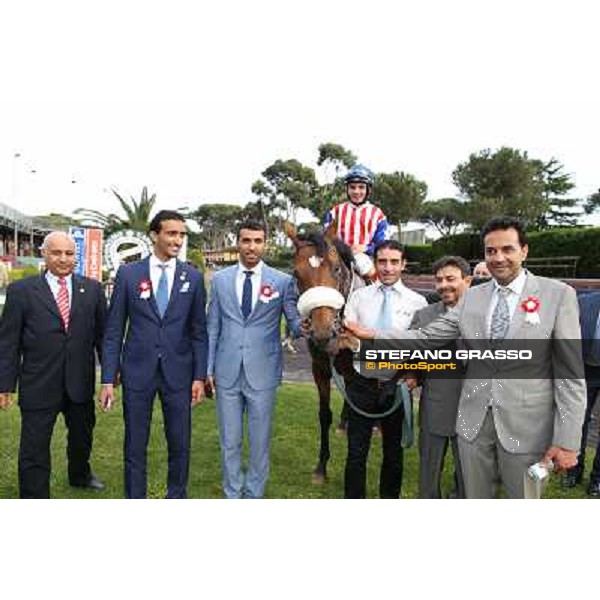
293	456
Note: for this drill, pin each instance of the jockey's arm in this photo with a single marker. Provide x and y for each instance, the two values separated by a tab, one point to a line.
327	219
382	232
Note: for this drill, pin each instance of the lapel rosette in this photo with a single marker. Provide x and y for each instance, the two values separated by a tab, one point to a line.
145	289
531	307
267	293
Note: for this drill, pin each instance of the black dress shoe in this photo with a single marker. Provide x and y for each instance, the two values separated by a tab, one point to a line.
91	484
571	479
594	489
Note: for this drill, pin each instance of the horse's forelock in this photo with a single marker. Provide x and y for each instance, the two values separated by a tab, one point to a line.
317	239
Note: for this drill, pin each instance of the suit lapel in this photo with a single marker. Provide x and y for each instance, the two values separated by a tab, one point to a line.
594	313
178	280
77	292
45	295
531	288
440	309
265	278
486	291
144	273
231	284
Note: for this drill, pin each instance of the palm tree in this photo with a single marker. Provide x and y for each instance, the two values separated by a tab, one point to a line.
137	214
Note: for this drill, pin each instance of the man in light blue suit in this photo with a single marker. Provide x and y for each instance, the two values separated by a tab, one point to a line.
158	308
245	358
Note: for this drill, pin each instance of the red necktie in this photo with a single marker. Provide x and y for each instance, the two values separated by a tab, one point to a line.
62	299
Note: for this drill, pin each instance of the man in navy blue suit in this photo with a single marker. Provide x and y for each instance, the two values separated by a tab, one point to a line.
158	306
589	316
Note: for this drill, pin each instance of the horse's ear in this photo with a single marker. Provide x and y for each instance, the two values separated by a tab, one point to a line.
331	231
291	232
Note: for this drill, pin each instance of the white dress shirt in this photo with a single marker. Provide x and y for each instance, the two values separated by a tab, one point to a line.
364	307
512	299
53	283
156	272
255	278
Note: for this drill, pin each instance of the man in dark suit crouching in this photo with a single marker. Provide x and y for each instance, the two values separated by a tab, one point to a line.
50	328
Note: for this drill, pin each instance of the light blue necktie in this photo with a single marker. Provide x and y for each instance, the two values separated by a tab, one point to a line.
162	293
384	320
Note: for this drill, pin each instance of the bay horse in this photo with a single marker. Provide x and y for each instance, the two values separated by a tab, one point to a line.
324	275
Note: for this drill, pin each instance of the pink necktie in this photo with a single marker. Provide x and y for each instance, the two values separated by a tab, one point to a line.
62	299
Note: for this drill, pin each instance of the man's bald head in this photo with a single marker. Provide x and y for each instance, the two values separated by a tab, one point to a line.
58	250
57	236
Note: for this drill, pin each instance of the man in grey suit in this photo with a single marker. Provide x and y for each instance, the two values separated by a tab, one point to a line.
245	358
511	413
438	405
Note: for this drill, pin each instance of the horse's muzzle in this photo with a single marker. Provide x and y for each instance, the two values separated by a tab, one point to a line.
324	336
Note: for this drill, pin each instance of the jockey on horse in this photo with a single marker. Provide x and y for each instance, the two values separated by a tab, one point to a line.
360	223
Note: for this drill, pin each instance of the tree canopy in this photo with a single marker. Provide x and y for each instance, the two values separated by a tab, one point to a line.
400	195
445	214
508	181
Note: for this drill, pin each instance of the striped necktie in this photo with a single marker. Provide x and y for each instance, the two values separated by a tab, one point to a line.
501	316
62	299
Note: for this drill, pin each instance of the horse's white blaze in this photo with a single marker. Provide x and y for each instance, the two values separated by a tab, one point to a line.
315	261
318	296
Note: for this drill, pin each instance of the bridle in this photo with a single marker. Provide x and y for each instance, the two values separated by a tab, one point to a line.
325	296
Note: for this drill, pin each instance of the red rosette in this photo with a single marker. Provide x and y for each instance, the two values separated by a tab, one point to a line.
144	286
531	304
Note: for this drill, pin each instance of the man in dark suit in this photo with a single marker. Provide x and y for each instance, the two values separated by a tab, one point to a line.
589	317
49	330
158	306
439	398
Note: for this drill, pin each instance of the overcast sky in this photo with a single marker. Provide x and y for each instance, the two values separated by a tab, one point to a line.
194	100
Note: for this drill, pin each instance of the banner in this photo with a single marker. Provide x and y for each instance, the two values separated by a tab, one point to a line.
88	251
93	253
78	235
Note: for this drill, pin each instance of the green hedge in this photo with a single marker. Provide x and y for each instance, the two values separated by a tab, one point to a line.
575	241
580	241
423	253
467	245
18	274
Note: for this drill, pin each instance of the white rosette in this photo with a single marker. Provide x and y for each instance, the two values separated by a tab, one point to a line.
266	298
532	318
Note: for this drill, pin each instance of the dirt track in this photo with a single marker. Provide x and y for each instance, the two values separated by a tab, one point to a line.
297	367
